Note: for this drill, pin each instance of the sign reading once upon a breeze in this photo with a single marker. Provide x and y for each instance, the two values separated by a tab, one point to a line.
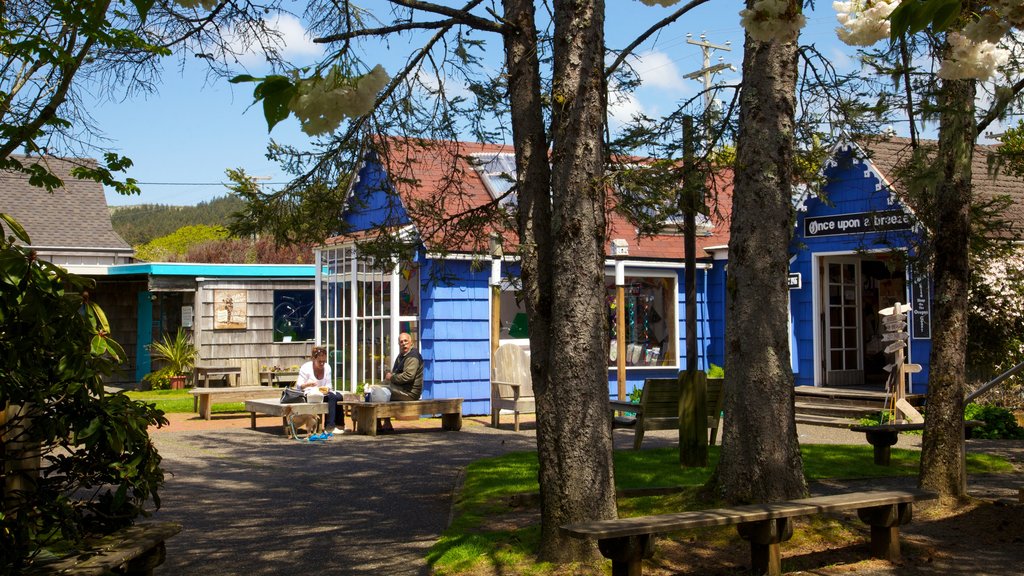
858	222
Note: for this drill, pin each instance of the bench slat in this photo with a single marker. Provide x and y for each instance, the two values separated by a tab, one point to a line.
663	523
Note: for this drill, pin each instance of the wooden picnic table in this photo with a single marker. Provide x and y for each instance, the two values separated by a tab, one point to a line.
229	374
279	378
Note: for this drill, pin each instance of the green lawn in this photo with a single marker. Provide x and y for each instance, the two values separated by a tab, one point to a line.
478	535
175	401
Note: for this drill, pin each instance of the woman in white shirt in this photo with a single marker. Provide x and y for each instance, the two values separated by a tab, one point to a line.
315	376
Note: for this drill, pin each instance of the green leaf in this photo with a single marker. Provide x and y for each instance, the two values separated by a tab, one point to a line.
899	20
243	78
16	228
143	7
276	92
947	15
98	345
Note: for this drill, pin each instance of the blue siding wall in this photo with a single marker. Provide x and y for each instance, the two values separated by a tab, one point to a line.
716	312
455	334
373	203
853	187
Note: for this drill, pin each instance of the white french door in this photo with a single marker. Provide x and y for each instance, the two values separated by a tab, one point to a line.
841	326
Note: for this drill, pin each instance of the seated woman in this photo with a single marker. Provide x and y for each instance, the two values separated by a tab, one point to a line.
315	376
405	380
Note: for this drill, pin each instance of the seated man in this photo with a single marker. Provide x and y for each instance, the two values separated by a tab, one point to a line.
405	380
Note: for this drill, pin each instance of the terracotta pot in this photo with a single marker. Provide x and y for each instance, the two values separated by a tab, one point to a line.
178	382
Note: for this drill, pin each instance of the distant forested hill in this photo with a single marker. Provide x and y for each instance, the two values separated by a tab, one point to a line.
142	223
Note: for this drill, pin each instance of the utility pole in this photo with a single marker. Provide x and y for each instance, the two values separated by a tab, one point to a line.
707	72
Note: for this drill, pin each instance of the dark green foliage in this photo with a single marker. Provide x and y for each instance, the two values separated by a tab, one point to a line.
97	469
999	421
141	224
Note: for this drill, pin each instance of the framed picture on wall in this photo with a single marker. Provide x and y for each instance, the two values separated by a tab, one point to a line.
230	309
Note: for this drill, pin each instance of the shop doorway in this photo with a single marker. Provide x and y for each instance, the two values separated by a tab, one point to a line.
853	289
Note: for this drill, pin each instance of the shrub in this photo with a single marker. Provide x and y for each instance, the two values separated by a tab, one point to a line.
74	459
999	421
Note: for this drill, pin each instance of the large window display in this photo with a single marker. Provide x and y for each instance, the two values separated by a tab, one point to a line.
359	319
650	330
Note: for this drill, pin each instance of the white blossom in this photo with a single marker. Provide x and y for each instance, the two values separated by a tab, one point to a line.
971	58
773	21
863	22
322	103
989	28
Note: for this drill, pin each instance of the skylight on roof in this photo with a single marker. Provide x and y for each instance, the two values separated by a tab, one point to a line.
498	172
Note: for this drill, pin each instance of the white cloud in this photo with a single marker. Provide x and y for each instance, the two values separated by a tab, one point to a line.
294	42
657	70
622	108
297	42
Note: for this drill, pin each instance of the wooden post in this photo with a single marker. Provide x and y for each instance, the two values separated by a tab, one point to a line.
620	249
693	420
620	341
495	294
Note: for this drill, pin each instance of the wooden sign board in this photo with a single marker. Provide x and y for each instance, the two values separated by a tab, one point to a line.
893	336
898	345
896	308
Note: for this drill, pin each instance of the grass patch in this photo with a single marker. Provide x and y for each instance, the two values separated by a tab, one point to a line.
492	534
180	401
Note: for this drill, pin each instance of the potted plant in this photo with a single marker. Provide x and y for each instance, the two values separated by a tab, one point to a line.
179	355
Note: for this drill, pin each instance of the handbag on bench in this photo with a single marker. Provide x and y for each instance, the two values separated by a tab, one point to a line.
292	396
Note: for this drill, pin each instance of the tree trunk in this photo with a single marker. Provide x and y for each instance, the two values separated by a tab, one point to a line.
760	459
942	447
561	224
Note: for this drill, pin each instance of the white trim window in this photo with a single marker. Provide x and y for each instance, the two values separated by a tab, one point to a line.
358	315
652	337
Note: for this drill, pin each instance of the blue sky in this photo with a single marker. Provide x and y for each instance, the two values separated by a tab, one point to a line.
183	138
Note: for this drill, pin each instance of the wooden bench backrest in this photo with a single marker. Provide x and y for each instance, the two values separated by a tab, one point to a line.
660	400
511	365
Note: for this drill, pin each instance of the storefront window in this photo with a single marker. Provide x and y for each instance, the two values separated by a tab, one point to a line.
650	331
293	315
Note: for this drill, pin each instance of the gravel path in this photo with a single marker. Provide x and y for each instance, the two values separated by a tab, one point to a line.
253	502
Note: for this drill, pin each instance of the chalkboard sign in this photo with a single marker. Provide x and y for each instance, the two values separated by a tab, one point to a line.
921	304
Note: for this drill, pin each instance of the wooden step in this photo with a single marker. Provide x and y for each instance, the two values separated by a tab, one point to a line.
836	410
829	421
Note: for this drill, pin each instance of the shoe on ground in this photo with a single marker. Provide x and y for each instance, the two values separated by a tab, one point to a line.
339	431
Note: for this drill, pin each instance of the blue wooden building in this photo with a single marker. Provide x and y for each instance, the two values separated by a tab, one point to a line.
440	291
851	257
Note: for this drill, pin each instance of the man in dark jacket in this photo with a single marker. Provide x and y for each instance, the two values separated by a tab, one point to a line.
405	380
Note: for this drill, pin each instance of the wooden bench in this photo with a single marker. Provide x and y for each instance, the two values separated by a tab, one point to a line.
883	437
659	408
273	407
134	551
627	541
207	396
365	414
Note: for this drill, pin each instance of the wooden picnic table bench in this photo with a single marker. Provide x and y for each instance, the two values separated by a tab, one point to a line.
207	396
627	541
883	437
133	551
365	414
273	407
203	374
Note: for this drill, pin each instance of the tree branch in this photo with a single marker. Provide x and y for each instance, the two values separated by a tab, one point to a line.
456	16
1002	100
649	32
